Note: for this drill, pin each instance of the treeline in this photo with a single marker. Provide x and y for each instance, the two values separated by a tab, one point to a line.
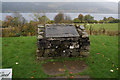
17	25
61	18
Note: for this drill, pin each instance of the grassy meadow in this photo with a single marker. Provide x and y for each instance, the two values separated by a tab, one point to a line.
106	26
22	50
18	53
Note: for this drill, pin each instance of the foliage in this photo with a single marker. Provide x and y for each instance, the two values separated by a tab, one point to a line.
88	18
76	20
17	24
81	17
51	22
43	19
85	19
105	19
59	18
101	21
110	20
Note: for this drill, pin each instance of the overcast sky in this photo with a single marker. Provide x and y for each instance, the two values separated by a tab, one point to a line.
59	0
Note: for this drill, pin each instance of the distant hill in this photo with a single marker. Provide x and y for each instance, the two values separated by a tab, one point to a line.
83	7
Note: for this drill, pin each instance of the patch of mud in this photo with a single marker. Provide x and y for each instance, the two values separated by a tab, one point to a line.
75	66
53	68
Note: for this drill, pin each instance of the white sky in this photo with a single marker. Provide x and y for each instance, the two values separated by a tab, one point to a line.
60	0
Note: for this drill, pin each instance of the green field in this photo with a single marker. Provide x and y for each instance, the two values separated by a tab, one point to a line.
23	49
107	26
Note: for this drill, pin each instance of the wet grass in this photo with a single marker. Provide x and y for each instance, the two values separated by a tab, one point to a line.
22	50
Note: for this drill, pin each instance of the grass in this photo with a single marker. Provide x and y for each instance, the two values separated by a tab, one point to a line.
101	64
23	50
107	26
